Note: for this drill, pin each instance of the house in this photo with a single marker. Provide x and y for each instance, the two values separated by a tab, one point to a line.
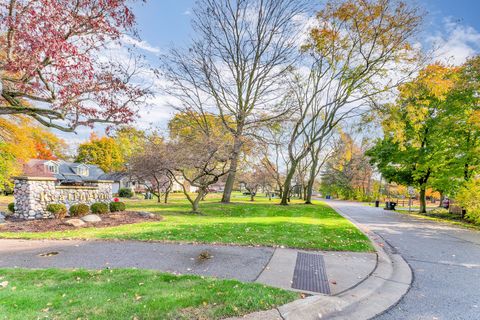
67	173
123	180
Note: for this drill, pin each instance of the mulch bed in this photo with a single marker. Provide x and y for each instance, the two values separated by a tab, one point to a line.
45	225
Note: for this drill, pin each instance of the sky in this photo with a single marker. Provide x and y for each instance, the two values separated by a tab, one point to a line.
452	26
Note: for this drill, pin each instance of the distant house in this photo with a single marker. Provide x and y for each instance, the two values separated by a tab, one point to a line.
122	180
67	173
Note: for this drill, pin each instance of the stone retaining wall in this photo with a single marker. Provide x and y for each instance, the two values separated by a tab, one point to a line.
32	195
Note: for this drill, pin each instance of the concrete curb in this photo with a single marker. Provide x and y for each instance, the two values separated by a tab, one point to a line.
382	290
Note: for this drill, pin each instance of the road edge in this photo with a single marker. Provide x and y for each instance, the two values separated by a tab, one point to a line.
382	290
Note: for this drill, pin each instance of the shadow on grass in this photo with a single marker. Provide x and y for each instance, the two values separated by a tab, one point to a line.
286	233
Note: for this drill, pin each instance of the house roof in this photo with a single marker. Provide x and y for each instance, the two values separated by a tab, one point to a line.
66	170
115	176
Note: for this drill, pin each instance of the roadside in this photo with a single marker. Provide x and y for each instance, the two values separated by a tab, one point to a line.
445	260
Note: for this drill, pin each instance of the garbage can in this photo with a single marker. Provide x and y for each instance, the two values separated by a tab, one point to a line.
377	203
390	205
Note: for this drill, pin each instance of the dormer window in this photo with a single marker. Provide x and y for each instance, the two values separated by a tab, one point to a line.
51	167
82	171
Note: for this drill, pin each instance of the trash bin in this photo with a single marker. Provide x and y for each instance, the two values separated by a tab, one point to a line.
377	203
389	205
328	197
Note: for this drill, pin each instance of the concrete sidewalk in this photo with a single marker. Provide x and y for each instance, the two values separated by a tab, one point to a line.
344	270
270	266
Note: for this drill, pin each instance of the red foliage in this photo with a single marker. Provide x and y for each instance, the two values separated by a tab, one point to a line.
53	64
43	152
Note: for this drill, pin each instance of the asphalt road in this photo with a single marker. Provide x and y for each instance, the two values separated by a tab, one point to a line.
445	261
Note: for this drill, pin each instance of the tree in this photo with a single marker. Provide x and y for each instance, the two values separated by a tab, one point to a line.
130	140
153	167
348	173
199	154
103	152
414	147
357	51
21	141
50	67
240	55
255	178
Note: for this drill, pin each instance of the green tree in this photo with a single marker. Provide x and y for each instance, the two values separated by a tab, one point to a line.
131	141
414	147
103	152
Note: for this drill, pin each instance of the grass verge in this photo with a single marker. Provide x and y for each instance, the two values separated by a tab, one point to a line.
444	217
129	294
262	222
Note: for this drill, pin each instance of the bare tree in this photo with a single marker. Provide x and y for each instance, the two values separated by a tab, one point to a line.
319	154
238	60
357	51
152	168
275	158
200	164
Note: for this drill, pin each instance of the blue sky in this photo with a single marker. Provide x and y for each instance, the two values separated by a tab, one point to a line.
166	22
453	26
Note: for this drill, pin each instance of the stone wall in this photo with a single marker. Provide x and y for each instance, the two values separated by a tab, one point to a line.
32	195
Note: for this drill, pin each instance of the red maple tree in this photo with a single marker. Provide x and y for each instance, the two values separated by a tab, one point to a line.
51	68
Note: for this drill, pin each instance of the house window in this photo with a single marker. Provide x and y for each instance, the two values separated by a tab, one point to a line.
53	168
82	171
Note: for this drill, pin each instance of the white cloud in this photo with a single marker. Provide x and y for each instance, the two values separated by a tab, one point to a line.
456	43
187	12
141	44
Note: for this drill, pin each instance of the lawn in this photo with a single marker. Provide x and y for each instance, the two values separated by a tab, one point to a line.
262	222
128	294
442	215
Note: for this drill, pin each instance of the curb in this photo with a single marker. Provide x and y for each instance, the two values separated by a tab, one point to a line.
382	290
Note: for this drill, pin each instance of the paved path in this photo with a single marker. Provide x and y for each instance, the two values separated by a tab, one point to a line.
242	263
445	261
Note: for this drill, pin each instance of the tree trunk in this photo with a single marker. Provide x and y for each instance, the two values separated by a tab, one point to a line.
196	202
252	196
442	197
227	192
166	196
423	201
288	182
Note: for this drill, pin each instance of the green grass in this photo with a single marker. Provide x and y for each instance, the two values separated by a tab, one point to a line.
444	216
242	222
129	294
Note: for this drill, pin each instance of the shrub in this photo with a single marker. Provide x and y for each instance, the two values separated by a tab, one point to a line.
99	208
469	198
58	210
11	207
117	206
79	210
125	193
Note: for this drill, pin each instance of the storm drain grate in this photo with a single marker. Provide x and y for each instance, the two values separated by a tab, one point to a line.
310	273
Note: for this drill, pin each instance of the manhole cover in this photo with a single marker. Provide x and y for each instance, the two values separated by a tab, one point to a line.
48	254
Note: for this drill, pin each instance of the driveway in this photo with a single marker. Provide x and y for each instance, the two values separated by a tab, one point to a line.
445	261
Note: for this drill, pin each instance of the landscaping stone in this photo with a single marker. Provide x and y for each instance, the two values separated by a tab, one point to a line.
147	214
91	218
74	223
